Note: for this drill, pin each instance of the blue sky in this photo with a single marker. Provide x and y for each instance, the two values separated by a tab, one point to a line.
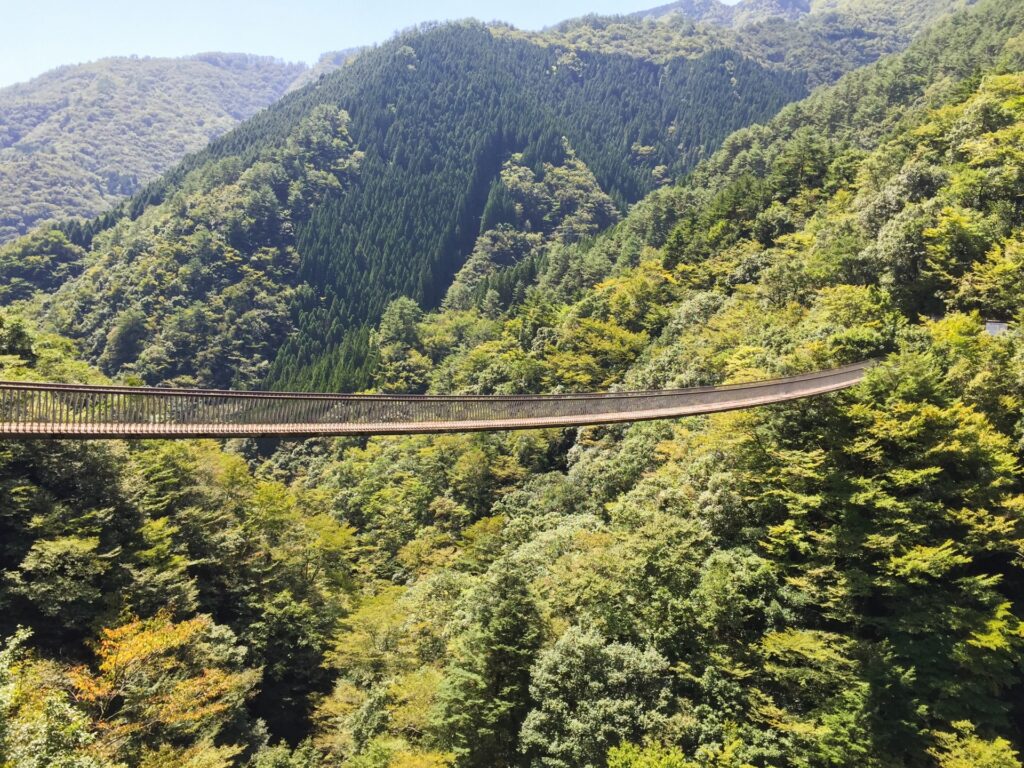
41	34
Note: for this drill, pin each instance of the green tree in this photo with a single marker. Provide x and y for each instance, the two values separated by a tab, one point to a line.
632	756
590	696
963	748
486	692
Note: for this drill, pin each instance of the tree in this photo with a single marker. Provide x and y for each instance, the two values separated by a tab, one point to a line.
590	696
125	340
632	756
61	578
161	686
15	339
963	748
40	726
486	692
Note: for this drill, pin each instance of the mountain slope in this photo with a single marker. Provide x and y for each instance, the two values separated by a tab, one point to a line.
436	113
328	62
821	40
907	16
78	139
832	582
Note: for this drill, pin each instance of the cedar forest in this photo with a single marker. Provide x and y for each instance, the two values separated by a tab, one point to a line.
633	203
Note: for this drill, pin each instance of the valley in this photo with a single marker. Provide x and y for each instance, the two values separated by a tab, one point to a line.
647	202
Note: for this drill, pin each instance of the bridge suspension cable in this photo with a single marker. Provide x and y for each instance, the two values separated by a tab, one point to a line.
75	411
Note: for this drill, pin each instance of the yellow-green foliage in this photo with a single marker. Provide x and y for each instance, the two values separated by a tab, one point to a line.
830	582
826	583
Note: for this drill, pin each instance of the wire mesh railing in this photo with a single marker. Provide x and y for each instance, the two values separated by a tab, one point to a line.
68	410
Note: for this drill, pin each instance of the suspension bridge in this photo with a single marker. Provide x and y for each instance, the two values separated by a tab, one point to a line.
36	410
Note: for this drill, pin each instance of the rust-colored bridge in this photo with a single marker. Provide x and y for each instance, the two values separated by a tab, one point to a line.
73	411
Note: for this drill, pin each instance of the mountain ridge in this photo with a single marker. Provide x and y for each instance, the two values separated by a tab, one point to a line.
735	14
428	170
745	13
62	134
833	582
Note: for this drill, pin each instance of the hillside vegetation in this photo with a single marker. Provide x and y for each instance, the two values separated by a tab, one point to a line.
831	582
435	114
906	14
821	40
76	140
327	63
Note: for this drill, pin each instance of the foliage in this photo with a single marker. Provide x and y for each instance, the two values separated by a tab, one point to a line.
199	581
66	157
223	253
963	748
303	269
589	697
631	756
829	582
486	695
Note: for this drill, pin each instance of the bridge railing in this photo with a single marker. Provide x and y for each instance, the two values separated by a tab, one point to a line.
71	410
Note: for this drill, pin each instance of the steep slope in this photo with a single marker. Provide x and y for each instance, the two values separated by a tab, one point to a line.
76	140
435	113
822	41
908	16
828	583
328	62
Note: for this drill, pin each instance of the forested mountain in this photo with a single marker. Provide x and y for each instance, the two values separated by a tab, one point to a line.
832	582
434	114
736	14
76	140
823	40
327	63
908	15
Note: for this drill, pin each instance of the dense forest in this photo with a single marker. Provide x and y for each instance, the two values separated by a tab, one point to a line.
258	291
76	140
831	582
821	40
910	13
434	114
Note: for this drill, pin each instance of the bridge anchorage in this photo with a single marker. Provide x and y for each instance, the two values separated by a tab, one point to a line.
31	410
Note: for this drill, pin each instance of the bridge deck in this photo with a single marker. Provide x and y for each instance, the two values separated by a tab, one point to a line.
72	411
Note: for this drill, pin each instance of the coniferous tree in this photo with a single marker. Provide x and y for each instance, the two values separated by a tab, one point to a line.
486	696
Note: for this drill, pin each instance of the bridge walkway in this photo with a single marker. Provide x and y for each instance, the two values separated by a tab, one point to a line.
77	411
